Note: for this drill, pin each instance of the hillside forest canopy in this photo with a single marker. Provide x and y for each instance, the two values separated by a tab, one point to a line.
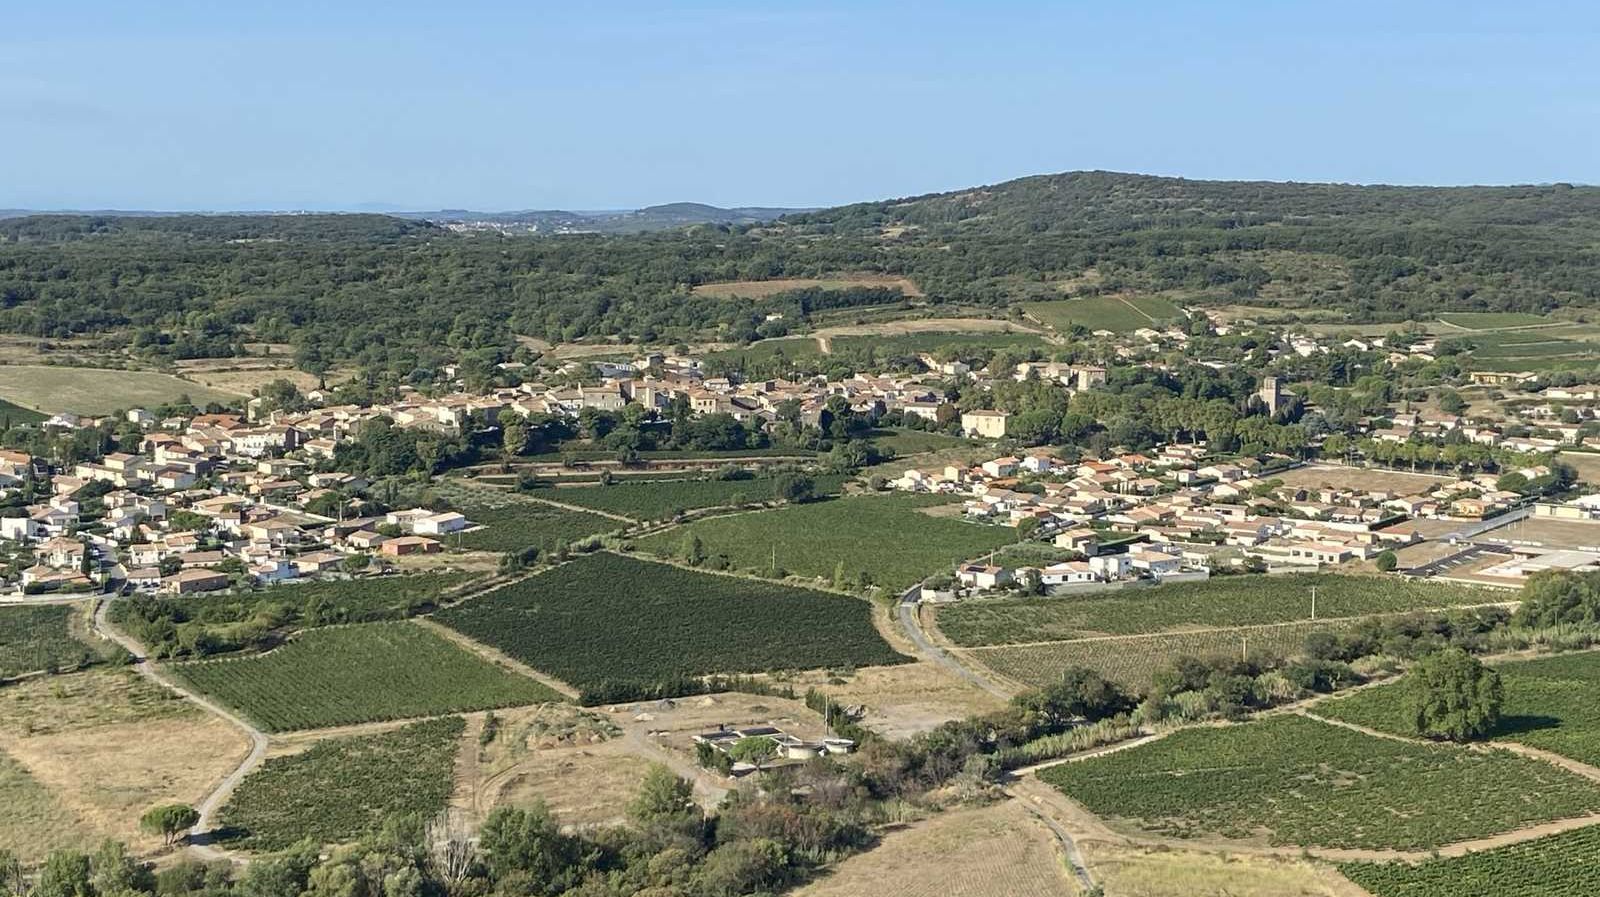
404	296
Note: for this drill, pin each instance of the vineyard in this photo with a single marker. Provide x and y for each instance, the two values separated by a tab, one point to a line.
1549	704
605	617
1564	865
343	788
39	637
512	523
238	619
357	674
1133	660
889	538
1224	601
663	499
1297	781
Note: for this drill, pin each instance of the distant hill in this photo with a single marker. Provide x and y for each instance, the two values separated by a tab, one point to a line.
1111	202
650	218
613	221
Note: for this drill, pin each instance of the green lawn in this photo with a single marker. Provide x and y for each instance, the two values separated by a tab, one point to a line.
1296	781
1221	602
888	537
1550	703
608	618
357	674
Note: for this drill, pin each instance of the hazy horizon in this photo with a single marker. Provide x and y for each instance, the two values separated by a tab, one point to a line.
492	106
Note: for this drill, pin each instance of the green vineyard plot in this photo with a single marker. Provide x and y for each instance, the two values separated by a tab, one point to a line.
609	618
344	788
1564	865
359	674
1296	781
1225	601
1550	704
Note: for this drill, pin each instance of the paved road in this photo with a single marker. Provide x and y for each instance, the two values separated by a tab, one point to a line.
925	647
203	831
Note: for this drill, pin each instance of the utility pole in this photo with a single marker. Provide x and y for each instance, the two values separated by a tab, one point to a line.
1244	648
1313	602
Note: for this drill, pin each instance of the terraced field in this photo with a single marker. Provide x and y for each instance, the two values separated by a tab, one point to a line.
1290	780
357	674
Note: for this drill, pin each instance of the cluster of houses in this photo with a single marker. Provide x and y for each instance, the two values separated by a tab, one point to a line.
1171	513
202	506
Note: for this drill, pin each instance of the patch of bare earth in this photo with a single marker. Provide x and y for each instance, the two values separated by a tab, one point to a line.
980	852
106	746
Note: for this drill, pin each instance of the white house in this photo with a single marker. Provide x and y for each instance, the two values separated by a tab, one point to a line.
983	576
1067	573
1110	567
439	524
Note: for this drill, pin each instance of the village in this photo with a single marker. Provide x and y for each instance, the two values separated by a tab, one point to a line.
253	497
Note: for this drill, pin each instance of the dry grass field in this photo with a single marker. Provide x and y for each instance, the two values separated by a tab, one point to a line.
760	289
1159	872
245	375
905	700
1586	463
85	755
98	390
925	325
1548	532
1339	476
982	852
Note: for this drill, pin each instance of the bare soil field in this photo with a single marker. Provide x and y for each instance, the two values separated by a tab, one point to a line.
1548	532
98	390
760	289
573	760
90	752
1151	872
981	852
905	700
1340	476
1427	528
1586	463
925	325
245	375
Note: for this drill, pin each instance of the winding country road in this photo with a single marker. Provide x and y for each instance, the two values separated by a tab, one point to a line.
925	646
204	829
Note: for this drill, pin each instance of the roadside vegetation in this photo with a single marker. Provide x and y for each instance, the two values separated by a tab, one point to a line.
1225	601
202	625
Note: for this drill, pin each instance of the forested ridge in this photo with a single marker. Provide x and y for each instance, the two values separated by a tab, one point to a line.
400	294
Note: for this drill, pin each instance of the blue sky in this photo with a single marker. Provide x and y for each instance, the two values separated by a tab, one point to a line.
501	105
